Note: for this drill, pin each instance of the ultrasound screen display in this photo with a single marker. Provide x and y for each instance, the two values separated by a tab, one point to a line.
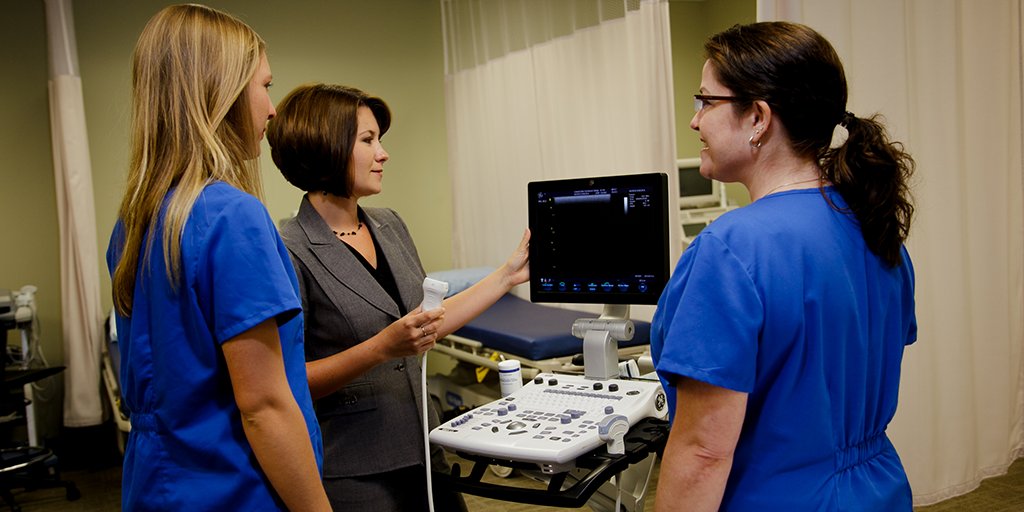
601	240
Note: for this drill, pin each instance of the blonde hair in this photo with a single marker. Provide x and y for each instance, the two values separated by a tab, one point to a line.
191	125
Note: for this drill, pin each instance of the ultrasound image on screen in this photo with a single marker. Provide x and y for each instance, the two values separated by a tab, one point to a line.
599	240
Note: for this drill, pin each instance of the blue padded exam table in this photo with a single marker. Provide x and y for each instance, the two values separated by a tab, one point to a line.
539	336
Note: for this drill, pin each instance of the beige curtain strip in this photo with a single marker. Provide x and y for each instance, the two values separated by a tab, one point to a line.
80	288
546	90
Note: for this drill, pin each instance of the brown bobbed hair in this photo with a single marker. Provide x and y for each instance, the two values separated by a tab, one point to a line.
312	136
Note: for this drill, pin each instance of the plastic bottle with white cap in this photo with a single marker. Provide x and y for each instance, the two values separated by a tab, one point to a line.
510	376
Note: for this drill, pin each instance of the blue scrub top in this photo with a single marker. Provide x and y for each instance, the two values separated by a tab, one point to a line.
187	449
782	300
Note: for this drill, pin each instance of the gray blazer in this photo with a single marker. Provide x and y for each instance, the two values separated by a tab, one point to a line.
374	423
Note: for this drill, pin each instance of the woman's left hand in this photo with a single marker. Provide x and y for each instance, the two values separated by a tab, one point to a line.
517	267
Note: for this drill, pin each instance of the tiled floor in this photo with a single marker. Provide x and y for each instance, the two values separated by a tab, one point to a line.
999	494
101	493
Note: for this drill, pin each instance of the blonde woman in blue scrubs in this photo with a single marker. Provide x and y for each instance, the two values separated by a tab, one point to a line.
208	314
781	333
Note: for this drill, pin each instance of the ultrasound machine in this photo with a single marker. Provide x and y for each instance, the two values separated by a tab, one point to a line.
600	240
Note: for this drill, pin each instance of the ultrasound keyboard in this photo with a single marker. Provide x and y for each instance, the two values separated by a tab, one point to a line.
553	420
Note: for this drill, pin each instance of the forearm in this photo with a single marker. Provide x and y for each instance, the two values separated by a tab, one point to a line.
271	418
280	441
467	305
690	480
331	373
698	456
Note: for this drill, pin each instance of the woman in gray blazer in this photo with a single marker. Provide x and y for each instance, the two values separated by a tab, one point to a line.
360	279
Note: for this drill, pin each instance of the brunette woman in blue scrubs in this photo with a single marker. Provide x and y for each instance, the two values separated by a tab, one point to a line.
208	314
780	336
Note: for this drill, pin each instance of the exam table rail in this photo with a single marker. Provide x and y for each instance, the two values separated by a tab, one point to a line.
476	353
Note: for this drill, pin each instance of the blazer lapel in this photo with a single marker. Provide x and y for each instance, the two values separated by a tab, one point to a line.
405	267
339	261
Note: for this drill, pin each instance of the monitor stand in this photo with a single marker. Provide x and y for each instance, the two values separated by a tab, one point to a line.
601	338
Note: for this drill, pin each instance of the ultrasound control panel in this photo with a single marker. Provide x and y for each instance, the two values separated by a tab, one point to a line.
554	419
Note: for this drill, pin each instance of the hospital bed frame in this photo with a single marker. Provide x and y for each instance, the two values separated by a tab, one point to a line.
476	353
109	372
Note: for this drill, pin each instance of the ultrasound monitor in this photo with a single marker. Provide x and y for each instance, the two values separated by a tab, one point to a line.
696	191
600	240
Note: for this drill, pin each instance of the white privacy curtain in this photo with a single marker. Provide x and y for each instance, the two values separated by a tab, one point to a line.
80	288
540	90
947	76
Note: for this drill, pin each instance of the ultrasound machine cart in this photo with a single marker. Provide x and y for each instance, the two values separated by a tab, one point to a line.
578	432
575	432
595	469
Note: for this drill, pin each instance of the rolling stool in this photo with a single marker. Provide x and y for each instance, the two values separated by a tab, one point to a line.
30	468
26	467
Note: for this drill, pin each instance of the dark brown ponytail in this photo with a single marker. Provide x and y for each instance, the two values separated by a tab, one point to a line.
872	174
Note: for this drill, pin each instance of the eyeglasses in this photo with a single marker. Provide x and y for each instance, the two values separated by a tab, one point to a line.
700	101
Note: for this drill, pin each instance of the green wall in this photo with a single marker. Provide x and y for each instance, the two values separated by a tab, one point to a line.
391	48
29	249
692	22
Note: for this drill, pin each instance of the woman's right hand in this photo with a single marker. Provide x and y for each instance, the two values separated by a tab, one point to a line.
411	335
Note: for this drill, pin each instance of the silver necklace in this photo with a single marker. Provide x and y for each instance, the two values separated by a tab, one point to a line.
790	184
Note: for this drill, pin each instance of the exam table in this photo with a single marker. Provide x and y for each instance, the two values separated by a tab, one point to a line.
539	336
